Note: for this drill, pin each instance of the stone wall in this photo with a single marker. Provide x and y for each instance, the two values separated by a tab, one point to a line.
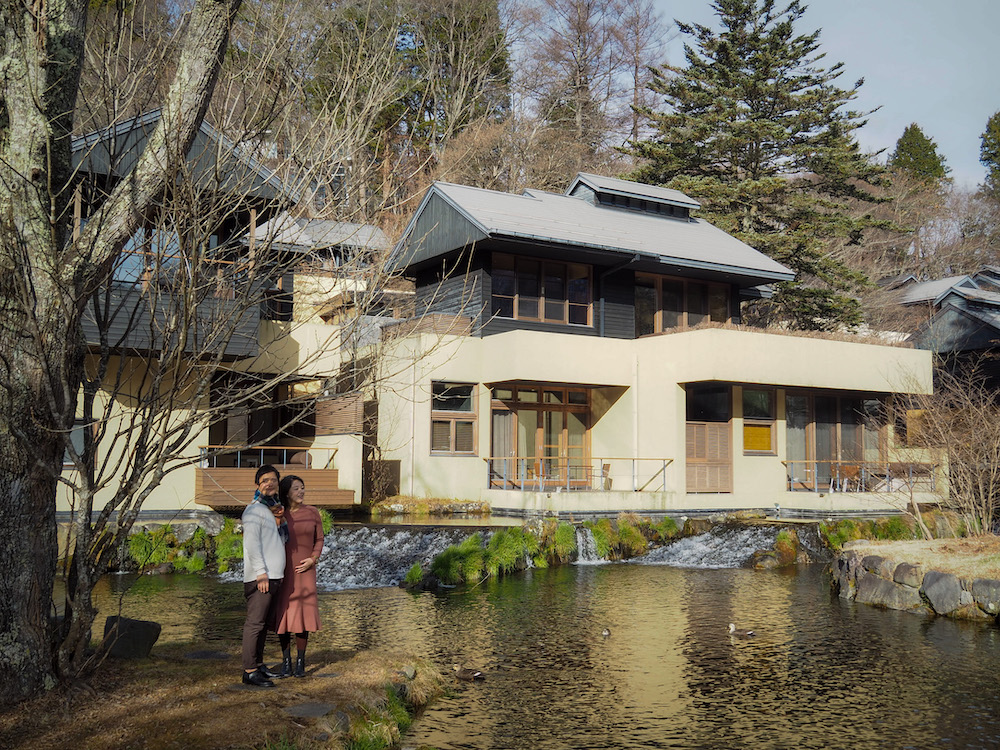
879	581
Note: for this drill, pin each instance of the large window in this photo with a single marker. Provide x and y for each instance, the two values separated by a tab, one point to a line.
541	435
547	291
453	418
828	436
662	303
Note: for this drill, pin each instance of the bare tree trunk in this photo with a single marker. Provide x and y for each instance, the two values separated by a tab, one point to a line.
45	281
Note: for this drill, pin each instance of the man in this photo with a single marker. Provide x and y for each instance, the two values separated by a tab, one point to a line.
263	571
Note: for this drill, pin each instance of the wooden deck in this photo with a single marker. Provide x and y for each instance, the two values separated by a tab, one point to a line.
229	487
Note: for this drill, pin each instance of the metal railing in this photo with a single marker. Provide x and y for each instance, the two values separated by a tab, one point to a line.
252	457
860	476
589	474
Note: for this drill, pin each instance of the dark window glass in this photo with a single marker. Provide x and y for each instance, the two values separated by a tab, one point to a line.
645	306
527	289
448	397
673	303
718	304
708	403
758	404
697	308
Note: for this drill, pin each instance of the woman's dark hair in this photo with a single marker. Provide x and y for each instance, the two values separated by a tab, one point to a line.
265	469
286	484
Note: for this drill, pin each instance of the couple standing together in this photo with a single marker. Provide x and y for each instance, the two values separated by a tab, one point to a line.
282	542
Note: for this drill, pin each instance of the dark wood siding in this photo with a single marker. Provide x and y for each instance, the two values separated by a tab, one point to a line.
133	323
457	295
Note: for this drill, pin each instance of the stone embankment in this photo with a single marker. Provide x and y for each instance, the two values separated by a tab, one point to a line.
881	582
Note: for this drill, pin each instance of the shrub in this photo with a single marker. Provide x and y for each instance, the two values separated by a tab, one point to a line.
508	548
460	562
667	529
894	528
414	575
150	548
228	545
564	541
605	537
786	547
835	534
630	538
327	518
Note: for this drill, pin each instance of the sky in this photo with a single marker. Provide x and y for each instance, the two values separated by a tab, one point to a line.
932	62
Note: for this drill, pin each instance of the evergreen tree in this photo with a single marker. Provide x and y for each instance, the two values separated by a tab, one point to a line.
762	136
989	157
917	155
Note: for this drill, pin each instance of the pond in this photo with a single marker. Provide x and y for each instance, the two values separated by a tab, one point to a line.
820	673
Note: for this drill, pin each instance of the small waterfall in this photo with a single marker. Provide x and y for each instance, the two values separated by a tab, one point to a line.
360	557
586	548
722	547
357	557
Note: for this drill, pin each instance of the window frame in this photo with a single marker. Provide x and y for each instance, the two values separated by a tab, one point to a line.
770	422
452	418
544	271
686	314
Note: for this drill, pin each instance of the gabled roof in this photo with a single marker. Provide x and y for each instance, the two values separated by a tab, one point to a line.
929	291
474	214
114	150
981	296
320	234
633	189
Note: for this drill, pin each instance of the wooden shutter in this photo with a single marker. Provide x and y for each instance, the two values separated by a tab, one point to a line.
709	457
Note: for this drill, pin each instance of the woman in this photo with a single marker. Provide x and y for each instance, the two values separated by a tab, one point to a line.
298	610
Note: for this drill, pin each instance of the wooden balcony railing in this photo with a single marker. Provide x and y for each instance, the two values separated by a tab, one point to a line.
225	477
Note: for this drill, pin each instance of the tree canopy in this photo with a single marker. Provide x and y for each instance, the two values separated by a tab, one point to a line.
989	156
763	136
917	155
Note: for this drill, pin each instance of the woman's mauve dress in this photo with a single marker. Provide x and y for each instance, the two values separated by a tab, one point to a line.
298	610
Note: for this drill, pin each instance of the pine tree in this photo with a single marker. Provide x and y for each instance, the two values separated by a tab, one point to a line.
762	137
917	155
989	157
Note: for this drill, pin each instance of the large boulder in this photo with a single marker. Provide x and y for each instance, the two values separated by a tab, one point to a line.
908	574
942	590
986	592
875	590
130	639
846	574
880	566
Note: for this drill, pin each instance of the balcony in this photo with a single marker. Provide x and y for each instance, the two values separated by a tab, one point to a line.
862	476
585	474
225	477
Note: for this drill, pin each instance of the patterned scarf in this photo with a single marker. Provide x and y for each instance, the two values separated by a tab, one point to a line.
270	501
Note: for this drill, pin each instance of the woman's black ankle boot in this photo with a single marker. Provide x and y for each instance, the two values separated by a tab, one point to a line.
286	663
300	664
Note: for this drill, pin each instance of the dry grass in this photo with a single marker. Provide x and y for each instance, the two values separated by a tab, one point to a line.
970	557
170	701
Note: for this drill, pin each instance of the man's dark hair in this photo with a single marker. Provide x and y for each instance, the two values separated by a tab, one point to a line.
265	469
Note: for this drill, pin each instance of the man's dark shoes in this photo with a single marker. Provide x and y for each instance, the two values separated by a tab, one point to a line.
268	672
257	678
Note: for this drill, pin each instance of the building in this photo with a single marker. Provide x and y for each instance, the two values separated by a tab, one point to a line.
583	353
576	353
193	340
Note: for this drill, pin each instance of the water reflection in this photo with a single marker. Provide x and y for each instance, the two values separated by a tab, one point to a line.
822	673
